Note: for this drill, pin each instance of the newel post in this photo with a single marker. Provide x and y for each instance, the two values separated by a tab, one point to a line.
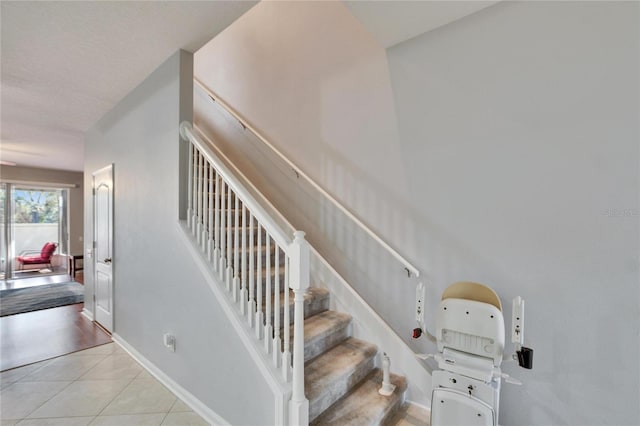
298	282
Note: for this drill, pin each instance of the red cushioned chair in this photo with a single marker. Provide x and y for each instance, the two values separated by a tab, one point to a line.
34	257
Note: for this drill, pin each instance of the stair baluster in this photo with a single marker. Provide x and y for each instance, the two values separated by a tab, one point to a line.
210	209
236	249
190	188
286	352
194	178
199	194
216	225
299	282
268	329
243	263
252	301
277	344
259	313
205	205
228	273
223	233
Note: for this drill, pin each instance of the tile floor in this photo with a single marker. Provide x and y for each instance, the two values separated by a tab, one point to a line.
98	386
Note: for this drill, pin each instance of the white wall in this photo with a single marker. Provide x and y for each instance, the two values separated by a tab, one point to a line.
502	148
158	287
525	118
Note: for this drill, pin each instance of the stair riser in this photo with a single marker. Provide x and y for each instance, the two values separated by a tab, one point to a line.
364	406
314	348
281	285
339	388
323	332
311	308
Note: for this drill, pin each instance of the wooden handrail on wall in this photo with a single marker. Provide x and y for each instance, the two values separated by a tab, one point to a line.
411	269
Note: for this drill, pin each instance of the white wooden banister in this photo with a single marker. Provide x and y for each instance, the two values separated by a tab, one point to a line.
186	130
222	217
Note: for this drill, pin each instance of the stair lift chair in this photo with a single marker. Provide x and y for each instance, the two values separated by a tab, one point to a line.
470	335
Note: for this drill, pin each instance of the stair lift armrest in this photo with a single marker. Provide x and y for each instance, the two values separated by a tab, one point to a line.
523	355
517	322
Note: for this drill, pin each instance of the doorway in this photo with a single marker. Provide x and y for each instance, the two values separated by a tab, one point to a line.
34	239
103	246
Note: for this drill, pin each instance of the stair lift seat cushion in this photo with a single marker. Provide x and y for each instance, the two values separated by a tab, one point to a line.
472	291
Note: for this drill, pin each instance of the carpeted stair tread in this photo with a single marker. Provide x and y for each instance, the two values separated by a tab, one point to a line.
330	375
324	331
364	406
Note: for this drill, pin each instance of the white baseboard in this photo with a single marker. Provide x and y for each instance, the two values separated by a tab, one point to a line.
255	348
426	409
87	314
188	398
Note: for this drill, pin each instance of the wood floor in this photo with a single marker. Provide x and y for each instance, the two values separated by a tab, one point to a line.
36	336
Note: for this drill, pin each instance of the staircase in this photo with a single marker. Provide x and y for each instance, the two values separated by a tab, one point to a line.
341	381
252	258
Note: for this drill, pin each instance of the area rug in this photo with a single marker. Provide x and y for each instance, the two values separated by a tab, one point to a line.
19	300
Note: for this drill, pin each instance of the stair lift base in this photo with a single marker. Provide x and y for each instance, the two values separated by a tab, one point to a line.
452	403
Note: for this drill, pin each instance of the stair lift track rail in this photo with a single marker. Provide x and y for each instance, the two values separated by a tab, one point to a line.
408	265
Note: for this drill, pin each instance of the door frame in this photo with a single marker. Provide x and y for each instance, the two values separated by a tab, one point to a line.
8	225
93	246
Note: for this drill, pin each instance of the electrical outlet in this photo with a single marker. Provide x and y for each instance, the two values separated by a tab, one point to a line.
420	298
170	342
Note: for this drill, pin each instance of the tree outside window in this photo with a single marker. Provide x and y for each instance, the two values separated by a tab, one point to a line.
36	206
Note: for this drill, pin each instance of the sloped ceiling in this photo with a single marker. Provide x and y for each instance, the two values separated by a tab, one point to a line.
65	64
394	21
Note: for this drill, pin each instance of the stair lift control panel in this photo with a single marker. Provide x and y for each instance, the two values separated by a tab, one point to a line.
470	337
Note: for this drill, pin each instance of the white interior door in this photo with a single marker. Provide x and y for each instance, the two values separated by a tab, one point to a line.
103	249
